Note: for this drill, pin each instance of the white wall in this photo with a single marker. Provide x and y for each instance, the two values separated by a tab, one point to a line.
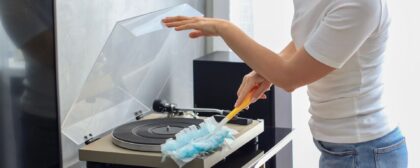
272	20
402	73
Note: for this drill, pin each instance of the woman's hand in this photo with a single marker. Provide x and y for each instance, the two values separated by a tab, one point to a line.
250	81
202	26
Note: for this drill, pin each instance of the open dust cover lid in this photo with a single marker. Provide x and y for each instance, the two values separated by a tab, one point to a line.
129	73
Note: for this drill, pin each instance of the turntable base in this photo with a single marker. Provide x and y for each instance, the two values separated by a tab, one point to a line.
104	151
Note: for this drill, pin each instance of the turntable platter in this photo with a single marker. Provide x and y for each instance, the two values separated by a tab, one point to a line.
148	135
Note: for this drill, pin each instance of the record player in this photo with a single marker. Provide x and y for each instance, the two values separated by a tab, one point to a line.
115	118
148	135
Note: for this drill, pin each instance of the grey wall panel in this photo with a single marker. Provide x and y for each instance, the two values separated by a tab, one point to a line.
283	119
283	108
82	29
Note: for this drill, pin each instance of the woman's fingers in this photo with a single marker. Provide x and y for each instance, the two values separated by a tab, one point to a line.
264	96
241	86
246	88
187	26
179	23
182	22
260	91
241	95
207	26
240	91
175	18
265	87
248	83
196	33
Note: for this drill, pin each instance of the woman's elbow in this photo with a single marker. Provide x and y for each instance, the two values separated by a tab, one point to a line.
290	89
286	86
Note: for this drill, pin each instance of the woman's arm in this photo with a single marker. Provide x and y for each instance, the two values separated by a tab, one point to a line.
289	72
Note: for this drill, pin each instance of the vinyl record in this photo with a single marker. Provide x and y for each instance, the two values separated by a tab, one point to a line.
148	135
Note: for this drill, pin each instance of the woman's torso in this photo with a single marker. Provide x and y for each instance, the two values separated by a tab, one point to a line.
346	104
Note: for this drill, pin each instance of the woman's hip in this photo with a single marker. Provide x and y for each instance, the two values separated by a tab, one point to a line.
387	151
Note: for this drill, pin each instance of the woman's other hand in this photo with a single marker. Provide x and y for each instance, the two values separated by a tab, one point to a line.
250	81
201	26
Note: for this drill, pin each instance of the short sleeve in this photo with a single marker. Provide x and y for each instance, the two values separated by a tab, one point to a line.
343	30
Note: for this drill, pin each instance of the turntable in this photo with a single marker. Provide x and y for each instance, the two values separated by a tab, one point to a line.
138	142
113	119
104	150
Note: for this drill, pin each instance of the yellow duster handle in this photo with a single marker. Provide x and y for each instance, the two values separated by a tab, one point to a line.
245	103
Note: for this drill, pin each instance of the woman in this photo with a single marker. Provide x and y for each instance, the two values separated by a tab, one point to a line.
337	51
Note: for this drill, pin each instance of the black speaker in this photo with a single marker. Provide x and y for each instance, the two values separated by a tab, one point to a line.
217	77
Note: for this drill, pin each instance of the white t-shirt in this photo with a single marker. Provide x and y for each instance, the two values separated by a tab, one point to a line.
349	35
